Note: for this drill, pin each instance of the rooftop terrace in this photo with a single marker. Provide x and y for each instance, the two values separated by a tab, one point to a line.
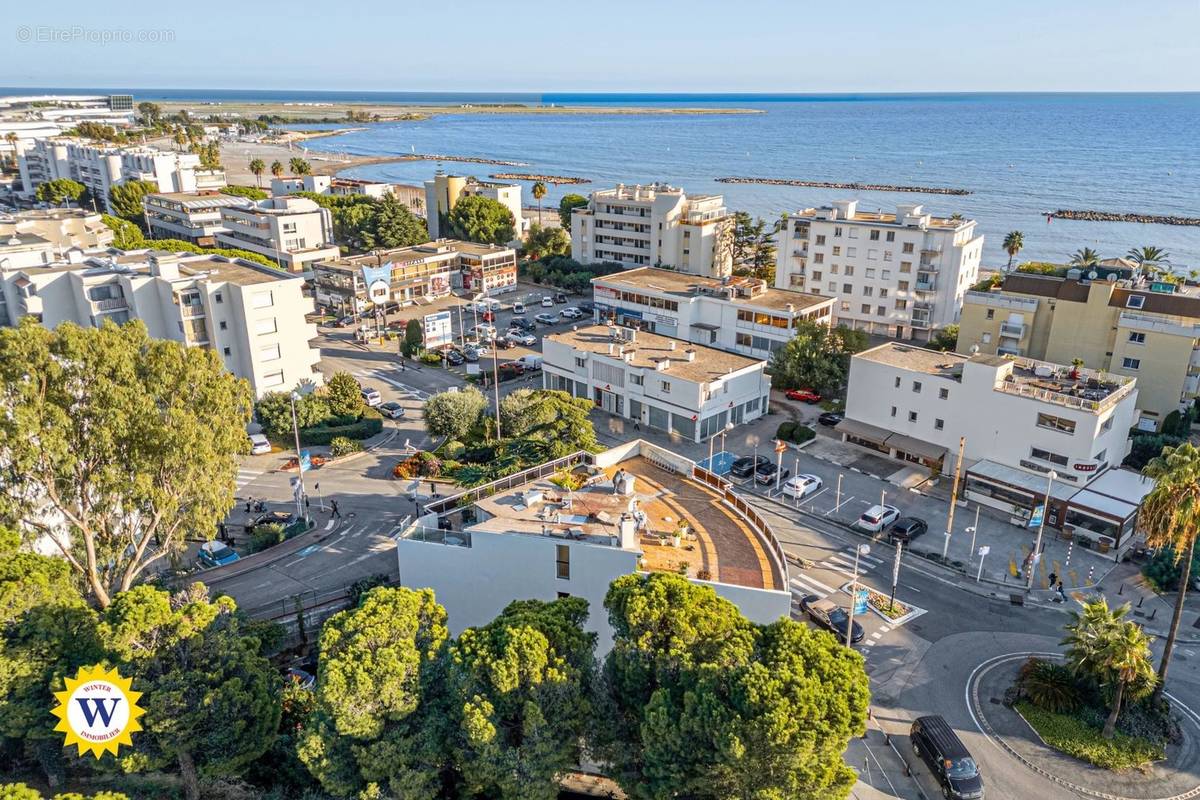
747	291
674	357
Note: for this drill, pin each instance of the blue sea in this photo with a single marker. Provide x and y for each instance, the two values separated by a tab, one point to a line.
1019	154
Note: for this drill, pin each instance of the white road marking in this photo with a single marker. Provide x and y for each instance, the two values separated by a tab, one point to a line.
329	525
876	635
246	476
872	560
808	584
838	506
842	570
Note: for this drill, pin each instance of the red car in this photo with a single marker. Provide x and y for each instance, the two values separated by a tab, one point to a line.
803	395
488	316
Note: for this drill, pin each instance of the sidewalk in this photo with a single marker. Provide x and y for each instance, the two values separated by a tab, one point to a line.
882	771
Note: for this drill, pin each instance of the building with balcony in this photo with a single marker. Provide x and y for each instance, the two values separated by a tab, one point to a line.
901	275
670	385
524	537
41	236
328	184
1149	331
740	315
398	277
655	226
444	191
251	316
100	167
294	232
1019	419
190	216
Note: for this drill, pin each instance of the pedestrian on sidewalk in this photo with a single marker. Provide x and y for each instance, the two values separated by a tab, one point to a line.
333	504
1053	580
249	500
1062	596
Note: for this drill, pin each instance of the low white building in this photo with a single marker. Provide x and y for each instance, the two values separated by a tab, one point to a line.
100	167
652	226
252	316
444	191
1020	420
525	538
666	384
741	315
899	274
293	232
191	216
327	184
42	236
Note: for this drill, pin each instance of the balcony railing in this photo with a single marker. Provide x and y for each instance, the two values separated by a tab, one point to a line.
1011	329
110	304
926	286
191	310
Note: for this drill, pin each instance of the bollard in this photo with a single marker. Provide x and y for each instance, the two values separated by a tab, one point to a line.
1153	612
887	738
907	773
1121	591
1070	544
1140	601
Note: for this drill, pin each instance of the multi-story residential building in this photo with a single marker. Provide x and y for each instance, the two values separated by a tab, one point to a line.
1150	331
328	184
100	167
901	275
1019	420
444	191
524	537
31	238
191	216
294	232
663	383
741	315
354	284
252	316
655	226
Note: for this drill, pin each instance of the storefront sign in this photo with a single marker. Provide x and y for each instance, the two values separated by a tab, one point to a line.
438	330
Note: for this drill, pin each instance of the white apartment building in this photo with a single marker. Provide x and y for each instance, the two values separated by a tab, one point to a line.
191	216
523	537
293	232
327	184
444	191
901	275
252	316
100	167
740	315
36	237
1020	419
670	385
655	226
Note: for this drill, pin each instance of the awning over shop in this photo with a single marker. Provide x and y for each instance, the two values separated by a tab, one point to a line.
863	430
1035	485
916	447
1088	501
704	326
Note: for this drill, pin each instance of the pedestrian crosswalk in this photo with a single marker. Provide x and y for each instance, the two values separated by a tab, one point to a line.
246	476
842	562
381	375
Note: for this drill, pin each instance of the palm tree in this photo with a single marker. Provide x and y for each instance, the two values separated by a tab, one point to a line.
276	169
1087	257
298	166
539	191
1149	259
12	138
258	166
180	139
1013	242
1103	645
1170	516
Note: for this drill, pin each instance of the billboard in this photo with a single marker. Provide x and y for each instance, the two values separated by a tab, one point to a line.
438	330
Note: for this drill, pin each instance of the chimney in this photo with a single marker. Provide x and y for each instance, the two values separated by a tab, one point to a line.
671	345
791	308
690	355
662	365
627	527
610	348
628	357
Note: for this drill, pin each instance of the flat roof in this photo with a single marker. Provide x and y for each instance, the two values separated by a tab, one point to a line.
683	284
649	349
917	359
417	252
1033	484
192	200
878	218
237	272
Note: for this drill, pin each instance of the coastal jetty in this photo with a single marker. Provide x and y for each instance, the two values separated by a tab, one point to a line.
557	180
858	187
333	163
1086	215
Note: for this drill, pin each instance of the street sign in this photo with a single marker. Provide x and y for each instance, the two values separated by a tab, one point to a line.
860	601
1035	518
780	446
305	461
438	330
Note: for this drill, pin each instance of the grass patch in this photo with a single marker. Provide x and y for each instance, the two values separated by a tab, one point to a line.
1072	736
879	602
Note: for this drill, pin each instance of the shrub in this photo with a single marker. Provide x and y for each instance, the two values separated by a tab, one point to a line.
370	424
1163	570
431	357
1070	735
360	587
785	431
404	470
794	432
426	464
265	536
342	446
1048	685
453	449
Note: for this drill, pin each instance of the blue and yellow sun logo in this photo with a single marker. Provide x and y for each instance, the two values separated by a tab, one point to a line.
98	711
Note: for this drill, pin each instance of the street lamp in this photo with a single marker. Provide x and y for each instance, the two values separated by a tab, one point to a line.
1037	545
862	550
299	458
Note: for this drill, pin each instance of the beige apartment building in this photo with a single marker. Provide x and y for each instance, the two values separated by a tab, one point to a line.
444	191
294	232
1146	331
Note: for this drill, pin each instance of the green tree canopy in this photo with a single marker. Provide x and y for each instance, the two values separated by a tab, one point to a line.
211	697
132	440
393	225
816	357
521	688
483	220
543	242
257	166
298	166
274	412
344	395
19	791
126	200
567	205
126	235
277	169
1013	242
945	339
556	418
59	191
453	414
414	336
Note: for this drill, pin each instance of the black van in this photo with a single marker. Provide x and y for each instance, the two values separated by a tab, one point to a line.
939	746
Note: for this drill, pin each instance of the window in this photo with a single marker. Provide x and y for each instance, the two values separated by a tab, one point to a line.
834	269
665	386
866	308
637	380
868	291
887	274
1137	338
837	251
273	379
217	298
820	238
852	252
562	561
847	288
917	387
818	258
897	381
907	247
227	351
223	325
872	255
262	300
854	233
1135	301
943	394
269	353
991	313
837	232
902	286
264	326
816	276
849	270
881	311
986	338
1131	363
833	286
883	292
580	362
887	255
1051	422
939	424
891	236
906	266
1107	424
894	408
1046	455
870	272
912	416
289	227
563	594
874	237
901	305
845	305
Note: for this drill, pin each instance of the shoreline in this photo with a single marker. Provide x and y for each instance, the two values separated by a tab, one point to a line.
852	186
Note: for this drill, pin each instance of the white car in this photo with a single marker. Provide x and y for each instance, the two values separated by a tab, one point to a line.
546	319
392	410
371	396
521	337
801	486
877	518
259	444
571	312
484	332
518	307
547	301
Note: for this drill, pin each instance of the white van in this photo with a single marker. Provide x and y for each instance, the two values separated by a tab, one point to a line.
530	363
259	444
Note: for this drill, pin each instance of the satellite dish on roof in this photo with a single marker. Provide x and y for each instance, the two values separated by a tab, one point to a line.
1093	275
974	349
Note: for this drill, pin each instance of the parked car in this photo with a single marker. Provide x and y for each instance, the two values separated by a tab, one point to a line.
546	319
344	322
259	444
571	312
512	365
587	306
831	617
392	410
217	554
483	332
371	396
504	343
801	486
560	297
284	518
907	528
936	743
531	362
744	467
877	518
547	301
520	323
831	418
518	307
454	357
521	337
766	474
803	395
488	316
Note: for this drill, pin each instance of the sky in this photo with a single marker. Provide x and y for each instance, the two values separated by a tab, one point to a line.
611	45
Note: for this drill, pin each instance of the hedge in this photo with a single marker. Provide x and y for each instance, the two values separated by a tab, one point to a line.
794	432
1072	736
370	424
